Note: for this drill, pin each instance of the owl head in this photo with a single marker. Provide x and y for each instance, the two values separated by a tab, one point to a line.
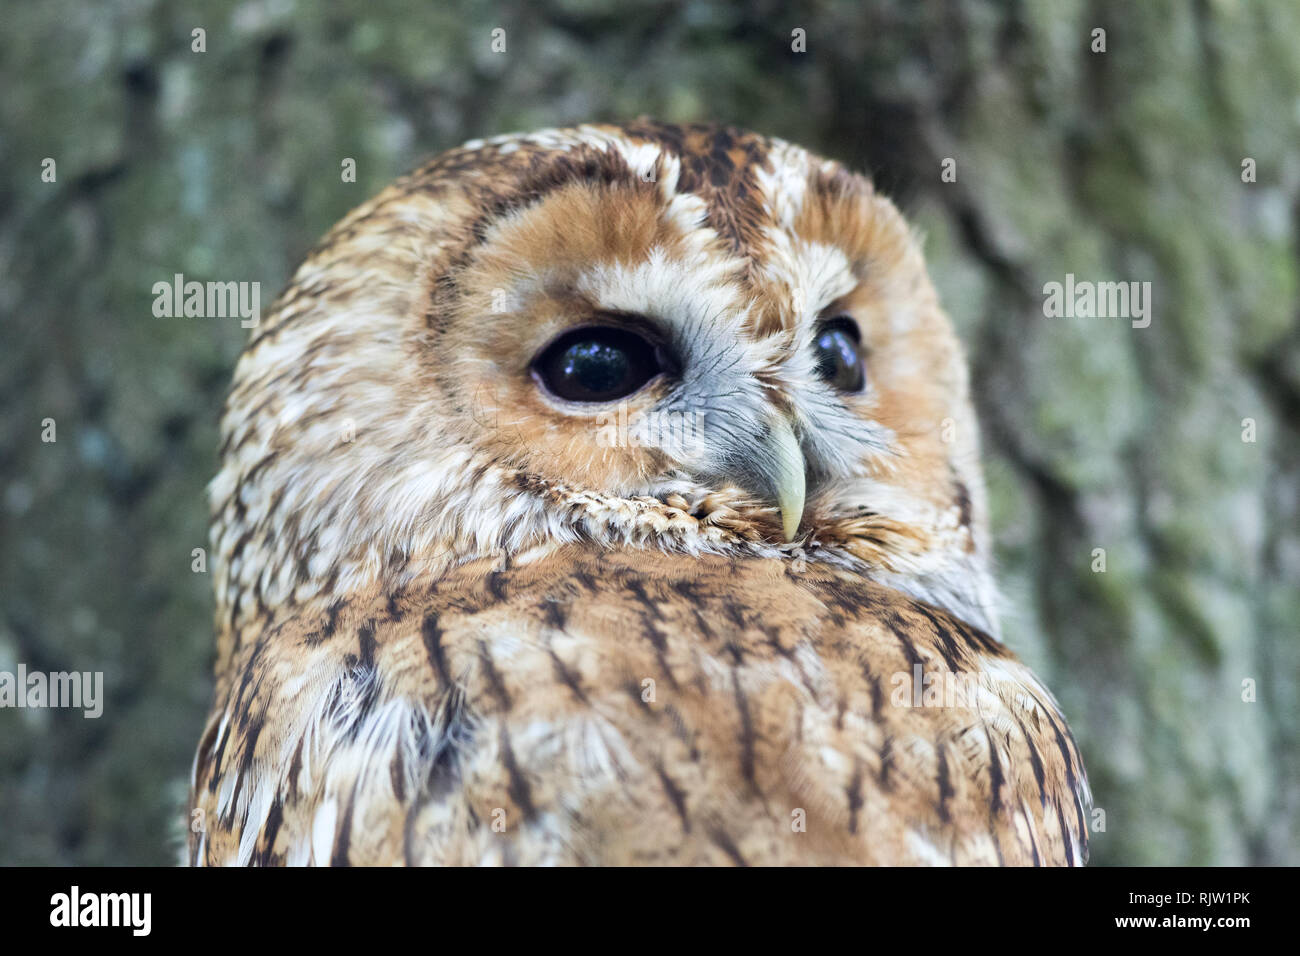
692	339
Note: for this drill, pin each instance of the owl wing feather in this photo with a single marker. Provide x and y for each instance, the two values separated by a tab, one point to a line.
612	707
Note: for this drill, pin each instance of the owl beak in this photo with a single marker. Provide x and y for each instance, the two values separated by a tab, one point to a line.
787	475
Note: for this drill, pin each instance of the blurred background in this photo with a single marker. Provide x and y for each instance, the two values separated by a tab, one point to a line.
1123	165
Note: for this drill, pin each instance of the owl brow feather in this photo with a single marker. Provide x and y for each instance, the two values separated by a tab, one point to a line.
585	164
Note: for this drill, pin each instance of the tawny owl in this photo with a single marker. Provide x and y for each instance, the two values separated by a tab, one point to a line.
612	495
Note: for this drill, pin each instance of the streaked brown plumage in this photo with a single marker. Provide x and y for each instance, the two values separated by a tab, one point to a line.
468	631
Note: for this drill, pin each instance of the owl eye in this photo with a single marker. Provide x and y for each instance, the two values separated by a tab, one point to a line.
839	355
597	365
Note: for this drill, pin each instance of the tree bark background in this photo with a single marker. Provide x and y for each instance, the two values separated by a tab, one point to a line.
1123	165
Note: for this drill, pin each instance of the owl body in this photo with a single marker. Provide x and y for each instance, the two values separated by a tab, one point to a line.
611	496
